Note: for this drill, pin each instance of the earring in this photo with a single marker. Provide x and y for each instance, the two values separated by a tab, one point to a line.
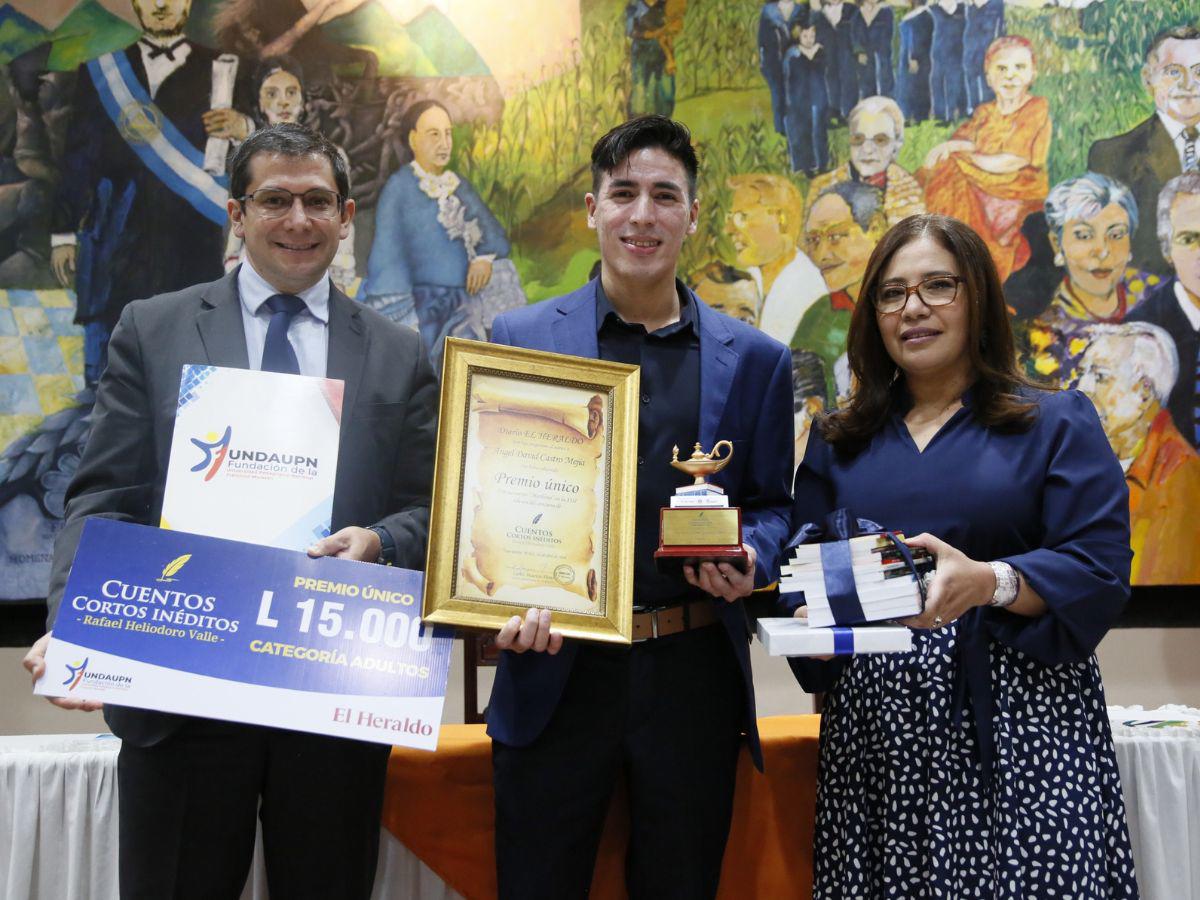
1059	260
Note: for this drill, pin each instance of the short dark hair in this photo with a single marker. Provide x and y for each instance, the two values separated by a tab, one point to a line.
865	202
1177	33
285	139
413	113
637	134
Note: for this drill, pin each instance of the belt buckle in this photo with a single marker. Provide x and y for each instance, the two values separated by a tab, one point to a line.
653	613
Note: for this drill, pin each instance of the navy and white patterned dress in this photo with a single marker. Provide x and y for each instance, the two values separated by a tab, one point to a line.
981	764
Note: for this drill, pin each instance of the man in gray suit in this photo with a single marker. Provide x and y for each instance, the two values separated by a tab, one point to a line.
1168	143
190	788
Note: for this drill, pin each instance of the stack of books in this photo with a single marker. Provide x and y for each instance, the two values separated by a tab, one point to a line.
887	588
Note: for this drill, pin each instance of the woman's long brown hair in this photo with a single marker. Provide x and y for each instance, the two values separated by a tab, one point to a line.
1001	398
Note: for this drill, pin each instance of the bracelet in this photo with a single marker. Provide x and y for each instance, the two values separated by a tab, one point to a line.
1008	583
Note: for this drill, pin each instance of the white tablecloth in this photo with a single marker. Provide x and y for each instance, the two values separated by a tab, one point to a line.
1158	753
58	827
58	816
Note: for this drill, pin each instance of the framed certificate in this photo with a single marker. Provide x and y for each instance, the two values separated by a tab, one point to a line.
533	491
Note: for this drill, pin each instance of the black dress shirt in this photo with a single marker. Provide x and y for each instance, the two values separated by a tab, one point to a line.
669	416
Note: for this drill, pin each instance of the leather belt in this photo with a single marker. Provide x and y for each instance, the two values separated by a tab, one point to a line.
656	623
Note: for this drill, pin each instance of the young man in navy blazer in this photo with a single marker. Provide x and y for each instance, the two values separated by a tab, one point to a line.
566	717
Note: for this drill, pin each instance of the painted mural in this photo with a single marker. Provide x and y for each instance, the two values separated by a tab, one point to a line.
1063	133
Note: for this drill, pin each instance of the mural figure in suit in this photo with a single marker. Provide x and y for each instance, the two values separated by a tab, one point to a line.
135	214
1164	145
913	64
835	32
1174	305
947	85
984	23
807	120
775	24
873	26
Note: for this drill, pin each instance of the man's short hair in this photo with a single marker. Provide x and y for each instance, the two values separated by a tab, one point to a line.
880	105
1178	33
285	139
1083	197
865	202
1148	353
1187	183
640	133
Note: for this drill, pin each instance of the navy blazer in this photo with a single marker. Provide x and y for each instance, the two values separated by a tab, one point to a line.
738	363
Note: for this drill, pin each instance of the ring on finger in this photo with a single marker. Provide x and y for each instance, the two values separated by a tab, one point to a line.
937	621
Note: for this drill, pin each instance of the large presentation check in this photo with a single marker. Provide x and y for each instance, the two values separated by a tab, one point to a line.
179	622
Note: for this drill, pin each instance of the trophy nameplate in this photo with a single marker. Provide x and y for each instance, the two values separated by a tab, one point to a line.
700	524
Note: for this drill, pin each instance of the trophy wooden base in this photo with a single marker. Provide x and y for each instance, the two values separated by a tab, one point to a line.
673	559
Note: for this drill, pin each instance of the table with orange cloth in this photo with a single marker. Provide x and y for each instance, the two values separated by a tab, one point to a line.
439	805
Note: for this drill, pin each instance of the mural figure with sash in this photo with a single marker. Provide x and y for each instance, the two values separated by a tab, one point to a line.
137	213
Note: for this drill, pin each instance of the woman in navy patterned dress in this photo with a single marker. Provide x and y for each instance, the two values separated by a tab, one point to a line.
981	763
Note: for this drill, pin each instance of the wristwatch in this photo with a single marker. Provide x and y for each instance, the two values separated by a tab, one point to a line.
1007	584
387	546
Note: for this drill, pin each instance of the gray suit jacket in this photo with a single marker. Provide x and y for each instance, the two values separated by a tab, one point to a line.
385	455
1143	159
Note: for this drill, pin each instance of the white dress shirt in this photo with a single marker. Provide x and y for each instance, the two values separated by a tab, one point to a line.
1188	305
159	66
309	330
1176	129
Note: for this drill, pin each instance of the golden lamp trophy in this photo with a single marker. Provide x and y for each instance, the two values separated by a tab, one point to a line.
700	524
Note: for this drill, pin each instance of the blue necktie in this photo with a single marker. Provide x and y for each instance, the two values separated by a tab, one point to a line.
278	355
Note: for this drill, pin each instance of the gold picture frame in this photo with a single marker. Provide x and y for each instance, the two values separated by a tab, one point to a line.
534	490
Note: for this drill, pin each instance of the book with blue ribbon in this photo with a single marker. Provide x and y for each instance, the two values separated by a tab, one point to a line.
851	571
796	637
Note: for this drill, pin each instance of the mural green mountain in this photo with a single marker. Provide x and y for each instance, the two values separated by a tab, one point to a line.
88	31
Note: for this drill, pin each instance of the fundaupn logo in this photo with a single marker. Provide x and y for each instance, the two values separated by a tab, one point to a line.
214	449
75	673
